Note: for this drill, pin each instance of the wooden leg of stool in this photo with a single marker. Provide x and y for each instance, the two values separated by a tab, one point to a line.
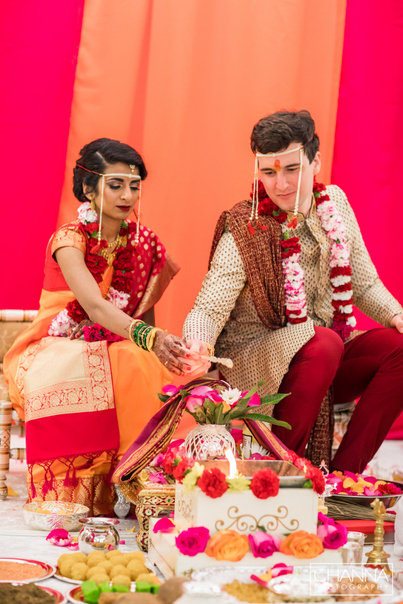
5	431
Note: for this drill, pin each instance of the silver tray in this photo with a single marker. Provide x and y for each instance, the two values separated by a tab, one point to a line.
365	500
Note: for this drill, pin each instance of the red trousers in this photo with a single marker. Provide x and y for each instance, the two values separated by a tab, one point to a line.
370	367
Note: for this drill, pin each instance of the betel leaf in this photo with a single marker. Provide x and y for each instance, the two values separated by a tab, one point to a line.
258	417
273	399
163	397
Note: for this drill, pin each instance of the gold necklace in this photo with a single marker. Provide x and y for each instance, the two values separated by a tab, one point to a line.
109	253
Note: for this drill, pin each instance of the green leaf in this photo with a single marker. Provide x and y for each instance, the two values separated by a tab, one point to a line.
252	391
273	399
258	417
200	415
307	484
261	528
238	409
184	393
219	417
209	409
163	397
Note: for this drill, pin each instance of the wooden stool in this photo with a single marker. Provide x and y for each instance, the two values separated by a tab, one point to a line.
150	501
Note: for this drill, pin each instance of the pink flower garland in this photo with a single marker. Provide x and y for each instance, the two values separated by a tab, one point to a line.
340	275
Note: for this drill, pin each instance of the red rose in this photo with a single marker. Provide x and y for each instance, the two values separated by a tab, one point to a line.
76	311
179	471
168	461
389	489
317	479
213	483
265	483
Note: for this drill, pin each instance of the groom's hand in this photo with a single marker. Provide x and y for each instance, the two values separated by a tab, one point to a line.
397	322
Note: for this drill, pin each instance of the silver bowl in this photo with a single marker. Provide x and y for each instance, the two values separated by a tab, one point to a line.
59	515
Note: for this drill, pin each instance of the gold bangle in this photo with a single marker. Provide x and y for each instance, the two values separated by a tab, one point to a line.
151	338
132	327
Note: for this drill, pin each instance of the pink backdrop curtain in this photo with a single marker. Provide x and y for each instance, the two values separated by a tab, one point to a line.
38	54
369	136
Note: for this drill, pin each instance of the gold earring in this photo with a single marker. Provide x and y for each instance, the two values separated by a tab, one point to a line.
92	205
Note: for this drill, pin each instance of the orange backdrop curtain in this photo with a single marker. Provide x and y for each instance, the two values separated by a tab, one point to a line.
184	83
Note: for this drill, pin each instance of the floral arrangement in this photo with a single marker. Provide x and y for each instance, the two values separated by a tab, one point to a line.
214	483
360	484
220	406
340	275
233	546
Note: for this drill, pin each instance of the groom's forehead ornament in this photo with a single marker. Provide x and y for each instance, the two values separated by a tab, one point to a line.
255	201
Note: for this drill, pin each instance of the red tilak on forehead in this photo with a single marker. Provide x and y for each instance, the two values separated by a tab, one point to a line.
277	166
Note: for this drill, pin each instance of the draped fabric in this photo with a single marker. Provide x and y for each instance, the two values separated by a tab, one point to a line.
39	41
369	134
183	82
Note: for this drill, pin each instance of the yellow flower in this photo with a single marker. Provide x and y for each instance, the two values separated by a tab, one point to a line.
226	407
191	478
239	483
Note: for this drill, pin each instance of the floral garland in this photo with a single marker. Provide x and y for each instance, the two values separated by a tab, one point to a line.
230	545
340	275
121	286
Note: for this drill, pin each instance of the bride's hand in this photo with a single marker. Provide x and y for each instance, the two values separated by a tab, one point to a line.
172	352
198	350
78	331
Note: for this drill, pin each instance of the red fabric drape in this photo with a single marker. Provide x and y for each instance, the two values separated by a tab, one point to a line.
369	135
39	42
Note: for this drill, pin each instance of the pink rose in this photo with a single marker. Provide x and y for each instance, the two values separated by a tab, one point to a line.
254	400
193	541
263	545
196	397
214	396
333	534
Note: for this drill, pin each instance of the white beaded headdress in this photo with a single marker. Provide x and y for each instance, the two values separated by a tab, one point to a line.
255	197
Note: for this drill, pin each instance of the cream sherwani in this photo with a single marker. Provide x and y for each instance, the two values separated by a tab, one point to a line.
224	314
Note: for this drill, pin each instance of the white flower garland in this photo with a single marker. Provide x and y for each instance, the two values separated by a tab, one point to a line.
295	297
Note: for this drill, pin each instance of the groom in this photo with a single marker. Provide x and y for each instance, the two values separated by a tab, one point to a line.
285	270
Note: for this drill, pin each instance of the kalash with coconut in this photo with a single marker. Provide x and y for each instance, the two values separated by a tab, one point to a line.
236	503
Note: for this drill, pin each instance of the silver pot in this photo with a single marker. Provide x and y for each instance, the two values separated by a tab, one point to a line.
98	534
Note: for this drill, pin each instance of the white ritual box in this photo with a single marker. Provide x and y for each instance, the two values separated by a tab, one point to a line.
291	510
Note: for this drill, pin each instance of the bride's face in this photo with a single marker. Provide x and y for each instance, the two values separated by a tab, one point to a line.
120	193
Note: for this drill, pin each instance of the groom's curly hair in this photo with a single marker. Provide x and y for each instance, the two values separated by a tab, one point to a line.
277	131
